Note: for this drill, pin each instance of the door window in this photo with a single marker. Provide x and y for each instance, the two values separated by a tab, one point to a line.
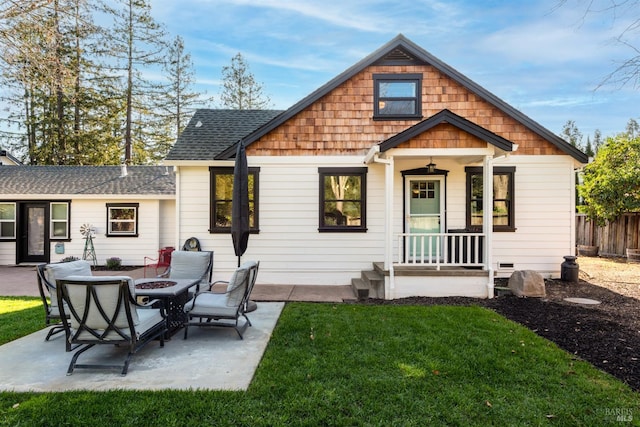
36	231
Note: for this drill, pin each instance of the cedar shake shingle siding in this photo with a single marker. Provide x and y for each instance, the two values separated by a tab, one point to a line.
342	121
337	119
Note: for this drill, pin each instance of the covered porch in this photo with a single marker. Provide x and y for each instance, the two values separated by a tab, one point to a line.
439	217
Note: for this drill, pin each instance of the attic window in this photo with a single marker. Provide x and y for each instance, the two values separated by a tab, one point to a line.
397	96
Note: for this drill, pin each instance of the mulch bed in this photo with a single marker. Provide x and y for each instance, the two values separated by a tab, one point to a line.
606	335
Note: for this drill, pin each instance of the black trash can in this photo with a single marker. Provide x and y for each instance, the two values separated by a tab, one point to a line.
569	269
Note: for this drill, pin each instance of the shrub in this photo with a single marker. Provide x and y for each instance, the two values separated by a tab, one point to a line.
114	263
611	181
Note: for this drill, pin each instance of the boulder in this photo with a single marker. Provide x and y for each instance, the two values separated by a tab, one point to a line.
527	283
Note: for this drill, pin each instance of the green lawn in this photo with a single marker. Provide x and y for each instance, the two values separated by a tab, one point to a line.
369	365
19	316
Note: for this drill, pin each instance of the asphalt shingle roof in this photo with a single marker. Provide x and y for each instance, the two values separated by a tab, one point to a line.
107	180
211	131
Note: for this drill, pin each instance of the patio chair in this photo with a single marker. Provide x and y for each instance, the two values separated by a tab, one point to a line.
163	261
103	310
208	308
191	265
47	274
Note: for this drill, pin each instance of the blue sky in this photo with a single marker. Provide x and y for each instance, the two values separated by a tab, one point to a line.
545	60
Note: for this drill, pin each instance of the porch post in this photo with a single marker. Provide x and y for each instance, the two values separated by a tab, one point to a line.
487	219
176	238
388	215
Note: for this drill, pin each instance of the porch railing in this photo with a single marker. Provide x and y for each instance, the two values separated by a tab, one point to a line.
441	249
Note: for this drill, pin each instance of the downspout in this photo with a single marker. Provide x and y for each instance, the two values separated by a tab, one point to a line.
373	156
487	220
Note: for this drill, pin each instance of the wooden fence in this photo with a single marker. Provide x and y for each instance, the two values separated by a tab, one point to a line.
613	238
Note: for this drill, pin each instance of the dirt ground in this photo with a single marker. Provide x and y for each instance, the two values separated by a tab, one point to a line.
607	334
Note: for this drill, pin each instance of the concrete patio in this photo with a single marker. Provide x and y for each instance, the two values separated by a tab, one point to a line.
211	359
21	281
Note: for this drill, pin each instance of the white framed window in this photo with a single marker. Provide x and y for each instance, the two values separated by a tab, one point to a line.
7	220
59	226
122	219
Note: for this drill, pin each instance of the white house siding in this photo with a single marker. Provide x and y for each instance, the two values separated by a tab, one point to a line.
545	216
7	253
167	224
131	250
156	228
289	247
544	209
292	251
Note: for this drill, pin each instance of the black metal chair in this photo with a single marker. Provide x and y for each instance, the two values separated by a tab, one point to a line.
103	310
51	311
47	274
209	308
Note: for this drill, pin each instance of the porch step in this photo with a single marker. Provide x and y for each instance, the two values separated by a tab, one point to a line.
370	284
360	288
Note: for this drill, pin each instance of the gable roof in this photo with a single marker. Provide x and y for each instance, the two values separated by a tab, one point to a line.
446	116
8	155
102	180
210	131
401	50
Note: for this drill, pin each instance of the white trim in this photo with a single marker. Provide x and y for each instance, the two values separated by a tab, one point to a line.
52	221
388	228
372	154
487	219
448	152
572	212
14	221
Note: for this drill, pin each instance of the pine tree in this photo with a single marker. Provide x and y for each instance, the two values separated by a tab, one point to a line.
597	140
50	74
571	134
181	100
240	89
138	43
633	129
588	148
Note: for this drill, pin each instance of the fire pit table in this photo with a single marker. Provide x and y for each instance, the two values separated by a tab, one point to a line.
174	293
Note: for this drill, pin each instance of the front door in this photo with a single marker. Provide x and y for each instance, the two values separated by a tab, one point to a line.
424	207
33	233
